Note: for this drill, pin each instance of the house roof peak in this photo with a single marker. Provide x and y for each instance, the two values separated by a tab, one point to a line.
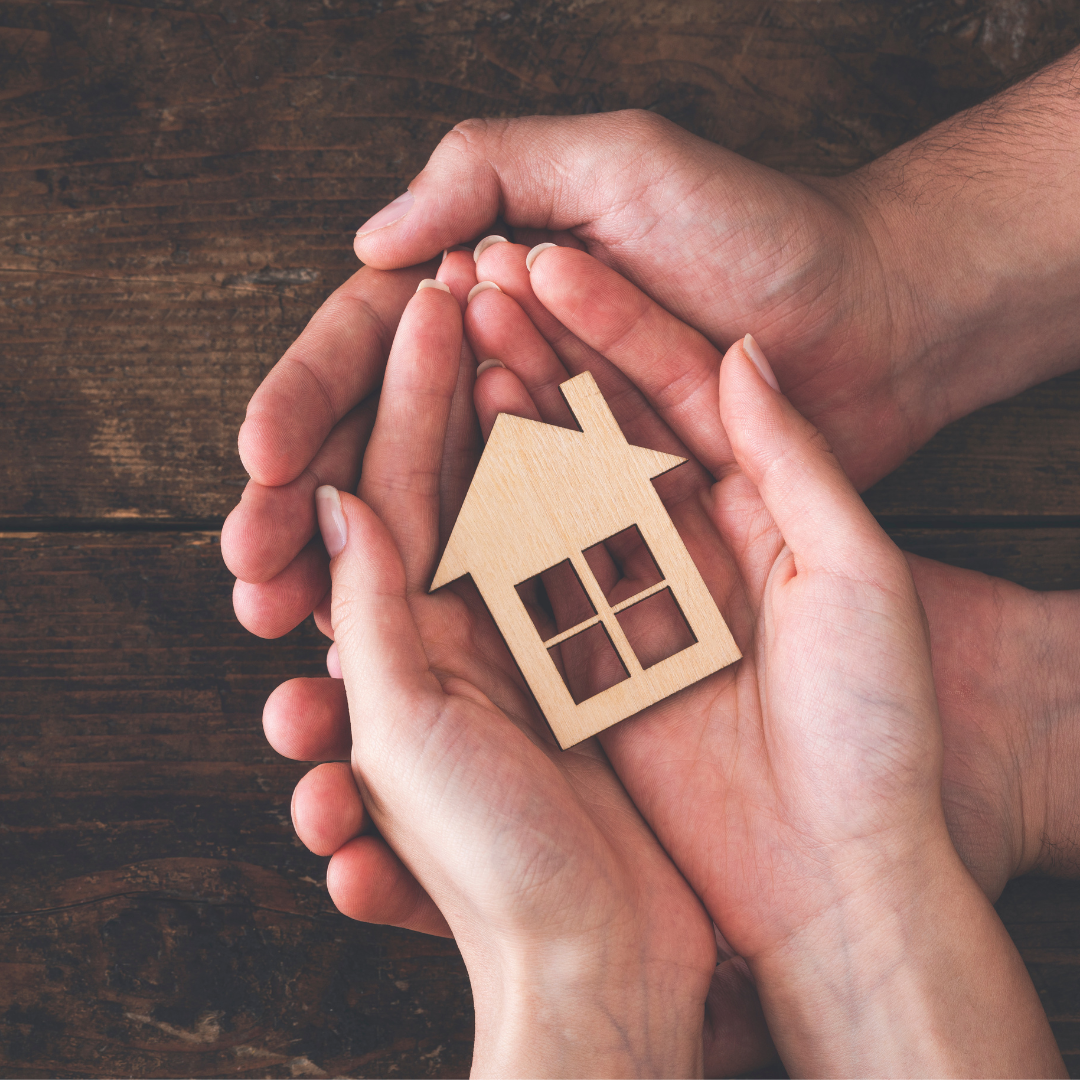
557	485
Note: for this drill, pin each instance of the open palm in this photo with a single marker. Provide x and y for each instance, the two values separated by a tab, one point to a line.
745	802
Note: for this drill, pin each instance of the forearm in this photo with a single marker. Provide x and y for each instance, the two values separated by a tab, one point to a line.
917	978
977	224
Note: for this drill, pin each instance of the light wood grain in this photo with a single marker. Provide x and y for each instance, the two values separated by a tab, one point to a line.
543	494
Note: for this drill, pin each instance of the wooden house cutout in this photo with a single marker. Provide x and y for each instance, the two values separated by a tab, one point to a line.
542	495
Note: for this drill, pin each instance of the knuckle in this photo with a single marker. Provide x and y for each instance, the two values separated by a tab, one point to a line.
645	126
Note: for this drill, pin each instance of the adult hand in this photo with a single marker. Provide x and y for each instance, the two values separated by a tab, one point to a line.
886	313
587	951
995	785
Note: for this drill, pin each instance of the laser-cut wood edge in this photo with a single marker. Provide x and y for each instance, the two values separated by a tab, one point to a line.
542	494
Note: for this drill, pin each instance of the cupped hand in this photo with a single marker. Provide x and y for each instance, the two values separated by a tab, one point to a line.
745	799
587	950
721	242
718	240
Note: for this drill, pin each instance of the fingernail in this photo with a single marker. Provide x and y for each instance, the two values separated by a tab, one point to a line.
331	519
390	213
482	286
753	350
431	283
485	244
333	662
456	247
532	256
481	368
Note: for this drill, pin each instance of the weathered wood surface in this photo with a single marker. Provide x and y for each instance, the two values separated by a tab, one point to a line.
179	186
1013	460
159	918
158	915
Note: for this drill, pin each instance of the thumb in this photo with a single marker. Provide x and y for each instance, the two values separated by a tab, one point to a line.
817	510
383	661
540	172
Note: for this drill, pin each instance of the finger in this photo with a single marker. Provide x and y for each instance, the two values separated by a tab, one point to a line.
271	525
675	366
458	270
818	512
498	328
499	390
334	364
506	265
327	810
272	608
308	720
462	444
368	882
402	472
528	171
382	657
333	663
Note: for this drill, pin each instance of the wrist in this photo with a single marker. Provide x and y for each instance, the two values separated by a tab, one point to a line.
587	1008
977	224
1010	716
905	974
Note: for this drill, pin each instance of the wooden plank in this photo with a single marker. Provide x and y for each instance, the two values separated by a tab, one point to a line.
1043	917
1010	460
158	916
1043	558
180	187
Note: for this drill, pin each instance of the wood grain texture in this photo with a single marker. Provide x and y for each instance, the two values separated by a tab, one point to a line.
543	495
1016	459
158	916
179	186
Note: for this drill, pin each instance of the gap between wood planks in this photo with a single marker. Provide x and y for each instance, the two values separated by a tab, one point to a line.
22	525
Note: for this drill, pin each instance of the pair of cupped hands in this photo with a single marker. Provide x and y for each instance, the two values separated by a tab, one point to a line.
794	801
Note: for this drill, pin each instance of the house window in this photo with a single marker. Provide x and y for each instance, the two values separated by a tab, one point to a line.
587	641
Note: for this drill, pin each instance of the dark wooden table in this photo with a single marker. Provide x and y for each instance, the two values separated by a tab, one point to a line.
179	185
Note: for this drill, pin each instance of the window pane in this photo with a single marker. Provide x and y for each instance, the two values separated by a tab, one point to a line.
555	600
656	628
588	663
623	565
